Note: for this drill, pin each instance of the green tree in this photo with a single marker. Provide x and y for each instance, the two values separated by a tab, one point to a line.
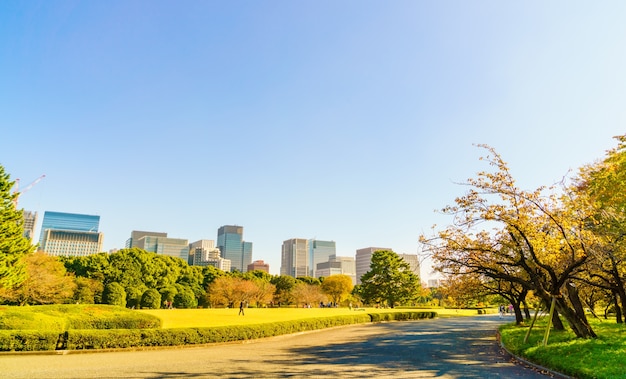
185	298
284	287
337	287
151	299
389	281
13	244
114	294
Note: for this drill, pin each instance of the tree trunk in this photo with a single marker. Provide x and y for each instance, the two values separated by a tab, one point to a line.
579	325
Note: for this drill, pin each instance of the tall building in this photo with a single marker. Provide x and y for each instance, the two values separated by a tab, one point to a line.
413	261
364	259
295	257
233	247
70	234
337	265
319	251
204	253
159	243
30	220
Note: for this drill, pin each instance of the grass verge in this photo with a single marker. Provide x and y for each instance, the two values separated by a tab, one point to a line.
600	358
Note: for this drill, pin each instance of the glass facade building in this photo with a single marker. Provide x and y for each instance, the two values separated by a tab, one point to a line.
319	251
159	243
70	234
234	248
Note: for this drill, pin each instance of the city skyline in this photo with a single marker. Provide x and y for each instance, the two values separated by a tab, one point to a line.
344	121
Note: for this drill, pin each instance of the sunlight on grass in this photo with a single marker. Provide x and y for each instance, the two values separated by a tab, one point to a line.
601	358
187	318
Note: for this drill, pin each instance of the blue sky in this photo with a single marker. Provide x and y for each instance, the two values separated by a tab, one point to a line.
348	121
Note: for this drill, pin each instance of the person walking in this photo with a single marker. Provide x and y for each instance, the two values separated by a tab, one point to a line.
241	309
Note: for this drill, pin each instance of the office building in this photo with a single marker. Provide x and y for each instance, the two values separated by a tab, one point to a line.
30	220
160	243
337	265
259	266
295	257
204	253
135	235
319	251
70	234
233	247
413	261
363	260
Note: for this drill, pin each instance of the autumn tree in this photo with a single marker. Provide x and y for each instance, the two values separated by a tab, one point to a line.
601	187
307	294
13	245
337	287
533	239
46	282
390	280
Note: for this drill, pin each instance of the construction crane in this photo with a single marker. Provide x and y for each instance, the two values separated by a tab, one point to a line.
18	192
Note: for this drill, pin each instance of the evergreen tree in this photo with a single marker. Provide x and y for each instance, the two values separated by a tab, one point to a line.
390	280
13	244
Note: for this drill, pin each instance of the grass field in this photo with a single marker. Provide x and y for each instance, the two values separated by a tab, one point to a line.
184	318
600	358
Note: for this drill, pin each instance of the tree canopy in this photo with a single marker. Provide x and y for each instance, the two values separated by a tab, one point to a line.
13	245
390	280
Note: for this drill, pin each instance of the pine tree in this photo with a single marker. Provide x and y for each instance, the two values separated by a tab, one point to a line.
13	244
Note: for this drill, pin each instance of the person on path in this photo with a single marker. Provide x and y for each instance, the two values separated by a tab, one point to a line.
241	309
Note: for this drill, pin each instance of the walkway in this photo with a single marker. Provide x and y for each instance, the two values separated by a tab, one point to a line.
439	348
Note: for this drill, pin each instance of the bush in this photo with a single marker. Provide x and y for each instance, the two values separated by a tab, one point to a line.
28	340
151	299
185	299
114	294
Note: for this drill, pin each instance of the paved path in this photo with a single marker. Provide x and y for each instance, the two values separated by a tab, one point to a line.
441	348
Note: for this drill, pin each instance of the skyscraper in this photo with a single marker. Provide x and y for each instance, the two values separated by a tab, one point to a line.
295	257
233	247
363	260
204	253
30	219
319	251
70	234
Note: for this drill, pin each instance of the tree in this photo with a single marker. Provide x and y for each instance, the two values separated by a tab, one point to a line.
185	298
601	187
151	299
46	282
284	286
114	294
88	291
535	240
307	294
389	281
13	244
337	287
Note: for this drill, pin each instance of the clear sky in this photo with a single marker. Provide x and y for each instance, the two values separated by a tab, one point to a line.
337	120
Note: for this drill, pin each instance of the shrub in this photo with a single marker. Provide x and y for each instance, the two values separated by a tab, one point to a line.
28	340
185	299
151	299
114	294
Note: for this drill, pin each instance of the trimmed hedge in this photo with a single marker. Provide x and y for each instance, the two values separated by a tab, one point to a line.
81	339
107	339
28	340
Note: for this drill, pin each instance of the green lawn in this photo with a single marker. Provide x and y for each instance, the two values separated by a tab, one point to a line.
183	318
600	358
